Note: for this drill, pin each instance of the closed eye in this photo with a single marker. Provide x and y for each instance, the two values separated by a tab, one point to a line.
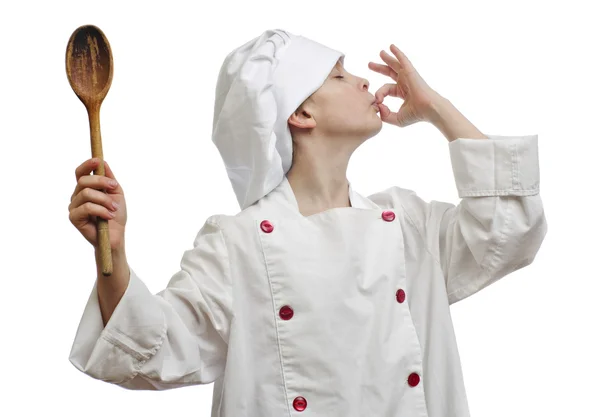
339	76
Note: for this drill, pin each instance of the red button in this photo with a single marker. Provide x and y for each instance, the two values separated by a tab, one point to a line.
299	403
286	312
388	216
413	379
400	296
266	226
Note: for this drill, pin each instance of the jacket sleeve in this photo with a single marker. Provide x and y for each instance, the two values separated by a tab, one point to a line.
499	224
175	338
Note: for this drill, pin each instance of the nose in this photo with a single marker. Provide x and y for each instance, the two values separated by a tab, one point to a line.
365	84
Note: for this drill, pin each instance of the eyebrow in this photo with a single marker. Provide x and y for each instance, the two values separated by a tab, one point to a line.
337	67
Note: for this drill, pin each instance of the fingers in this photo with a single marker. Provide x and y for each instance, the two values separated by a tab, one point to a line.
86	168
391	61
85	179
91	164
388	90
98	182
402	59
384	69
95	196
90	183
398	66
81	214
399	62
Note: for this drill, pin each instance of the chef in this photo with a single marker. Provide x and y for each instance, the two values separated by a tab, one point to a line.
315	300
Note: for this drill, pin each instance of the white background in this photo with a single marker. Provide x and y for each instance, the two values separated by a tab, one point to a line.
529	343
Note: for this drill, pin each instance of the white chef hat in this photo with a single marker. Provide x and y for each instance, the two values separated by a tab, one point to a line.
260	84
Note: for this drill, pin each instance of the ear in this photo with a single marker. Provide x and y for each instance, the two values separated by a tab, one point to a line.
302	119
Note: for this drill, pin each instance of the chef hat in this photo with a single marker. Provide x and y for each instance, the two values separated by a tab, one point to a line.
260	85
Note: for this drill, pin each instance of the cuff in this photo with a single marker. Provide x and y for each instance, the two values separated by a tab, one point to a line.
133	334
498	166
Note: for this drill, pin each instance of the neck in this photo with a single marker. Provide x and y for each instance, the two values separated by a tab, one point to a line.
318	179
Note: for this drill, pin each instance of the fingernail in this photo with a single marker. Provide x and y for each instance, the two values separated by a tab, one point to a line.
113	183
115	205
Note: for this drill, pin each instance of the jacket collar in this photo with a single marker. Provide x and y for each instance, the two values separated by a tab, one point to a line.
284	195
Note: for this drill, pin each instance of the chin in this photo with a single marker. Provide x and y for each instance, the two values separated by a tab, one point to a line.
373	129
376	127
365	130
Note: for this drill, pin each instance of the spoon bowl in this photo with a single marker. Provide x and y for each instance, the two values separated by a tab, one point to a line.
89	64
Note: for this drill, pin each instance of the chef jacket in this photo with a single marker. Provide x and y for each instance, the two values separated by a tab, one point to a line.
340	313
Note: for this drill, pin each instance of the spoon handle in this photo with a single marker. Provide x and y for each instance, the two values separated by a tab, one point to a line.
101	224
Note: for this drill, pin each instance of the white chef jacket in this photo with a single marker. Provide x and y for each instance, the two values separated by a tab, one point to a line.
340	313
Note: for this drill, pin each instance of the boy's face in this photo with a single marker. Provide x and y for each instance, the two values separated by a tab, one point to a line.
340	108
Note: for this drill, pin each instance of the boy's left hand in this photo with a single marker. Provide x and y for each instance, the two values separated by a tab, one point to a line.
419	98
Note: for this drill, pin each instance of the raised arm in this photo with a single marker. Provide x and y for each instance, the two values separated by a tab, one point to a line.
499	224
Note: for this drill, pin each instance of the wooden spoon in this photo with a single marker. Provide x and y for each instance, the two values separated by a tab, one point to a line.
90	71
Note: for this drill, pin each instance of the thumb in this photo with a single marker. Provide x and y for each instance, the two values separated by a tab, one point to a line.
387	115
